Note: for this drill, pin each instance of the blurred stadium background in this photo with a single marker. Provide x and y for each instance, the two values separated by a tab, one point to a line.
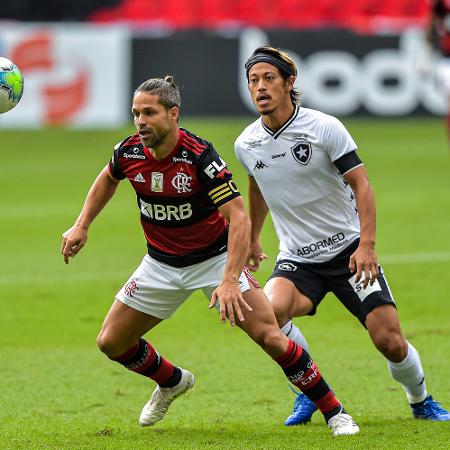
81	59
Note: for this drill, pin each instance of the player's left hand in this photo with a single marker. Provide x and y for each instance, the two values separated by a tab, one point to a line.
73	240
230	298
364	261
255	256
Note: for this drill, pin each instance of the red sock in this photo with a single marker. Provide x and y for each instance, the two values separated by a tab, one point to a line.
302	371
142	358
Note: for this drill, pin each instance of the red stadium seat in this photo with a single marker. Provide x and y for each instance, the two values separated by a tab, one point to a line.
360	15
214	13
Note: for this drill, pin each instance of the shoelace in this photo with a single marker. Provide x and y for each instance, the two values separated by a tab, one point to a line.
159	403
432	407
299	402
345	419
342	419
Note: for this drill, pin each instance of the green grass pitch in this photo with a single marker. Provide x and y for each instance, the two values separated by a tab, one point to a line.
58	391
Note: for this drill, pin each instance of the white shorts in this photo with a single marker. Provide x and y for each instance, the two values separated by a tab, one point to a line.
443	74
158	289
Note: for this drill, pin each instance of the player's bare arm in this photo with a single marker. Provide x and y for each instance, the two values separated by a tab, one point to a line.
101	191
228	293
258	211
364	259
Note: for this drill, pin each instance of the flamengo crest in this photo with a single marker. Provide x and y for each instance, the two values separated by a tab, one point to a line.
182	182
302	152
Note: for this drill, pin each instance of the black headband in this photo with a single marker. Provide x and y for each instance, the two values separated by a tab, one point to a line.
270	59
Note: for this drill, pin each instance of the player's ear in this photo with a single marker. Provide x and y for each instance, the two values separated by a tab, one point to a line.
290	82
174	113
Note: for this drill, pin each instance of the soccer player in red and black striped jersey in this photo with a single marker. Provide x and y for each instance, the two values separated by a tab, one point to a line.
197	234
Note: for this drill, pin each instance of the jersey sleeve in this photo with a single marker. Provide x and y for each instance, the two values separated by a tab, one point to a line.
114	164
337	140
238	151
212	171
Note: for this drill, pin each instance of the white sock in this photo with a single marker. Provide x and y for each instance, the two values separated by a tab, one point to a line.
293	333
409	374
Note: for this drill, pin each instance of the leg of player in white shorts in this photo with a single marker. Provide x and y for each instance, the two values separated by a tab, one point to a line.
155	291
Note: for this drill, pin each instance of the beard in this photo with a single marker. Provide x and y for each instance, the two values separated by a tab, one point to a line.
155	139
266	111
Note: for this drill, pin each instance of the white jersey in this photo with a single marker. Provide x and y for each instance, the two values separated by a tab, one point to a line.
312	207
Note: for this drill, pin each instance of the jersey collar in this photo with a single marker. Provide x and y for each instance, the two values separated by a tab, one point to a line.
286	124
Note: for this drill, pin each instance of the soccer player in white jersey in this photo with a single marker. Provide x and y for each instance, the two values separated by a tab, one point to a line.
304	169
197	234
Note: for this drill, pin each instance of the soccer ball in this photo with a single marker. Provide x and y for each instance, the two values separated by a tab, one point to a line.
11	85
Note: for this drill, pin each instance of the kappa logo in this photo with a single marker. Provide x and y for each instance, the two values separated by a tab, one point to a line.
259	165
182	182
139	178
302	152
287	267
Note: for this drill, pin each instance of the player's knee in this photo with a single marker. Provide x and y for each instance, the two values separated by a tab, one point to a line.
392	345
281	314
108	344
271	340
102	343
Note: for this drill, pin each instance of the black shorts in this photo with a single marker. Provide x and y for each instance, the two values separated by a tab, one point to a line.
315	280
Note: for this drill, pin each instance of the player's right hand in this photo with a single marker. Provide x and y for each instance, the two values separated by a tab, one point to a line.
73	240
230	298
255	256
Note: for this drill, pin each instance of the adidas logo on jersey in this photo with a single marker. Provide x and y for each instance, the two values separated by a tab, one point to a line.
139	178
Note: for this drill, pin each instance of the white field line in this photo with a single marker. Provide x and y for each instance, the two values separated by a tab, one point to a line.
414	258
68	277
122	275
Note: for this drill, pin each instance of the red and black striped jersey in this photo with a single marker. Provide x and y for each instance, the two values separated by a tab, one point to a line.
178	197
441	9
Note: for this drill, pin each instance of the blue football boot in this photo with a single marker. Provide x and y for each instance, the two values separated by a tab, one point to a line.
303	410
430	410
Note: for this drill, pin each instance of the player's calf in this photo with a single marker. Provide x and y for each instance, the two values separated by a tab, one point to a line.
303	372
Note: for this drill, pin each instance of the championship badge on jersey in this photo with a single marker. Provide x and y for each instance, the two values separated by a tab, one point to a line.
157	182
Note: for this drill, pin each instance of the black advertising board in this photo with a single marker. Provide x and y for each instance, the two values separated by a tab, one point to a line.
340	72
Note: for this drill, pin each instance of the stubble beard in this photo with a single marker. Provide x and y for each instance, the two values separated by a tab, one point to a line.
267	112
155	139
